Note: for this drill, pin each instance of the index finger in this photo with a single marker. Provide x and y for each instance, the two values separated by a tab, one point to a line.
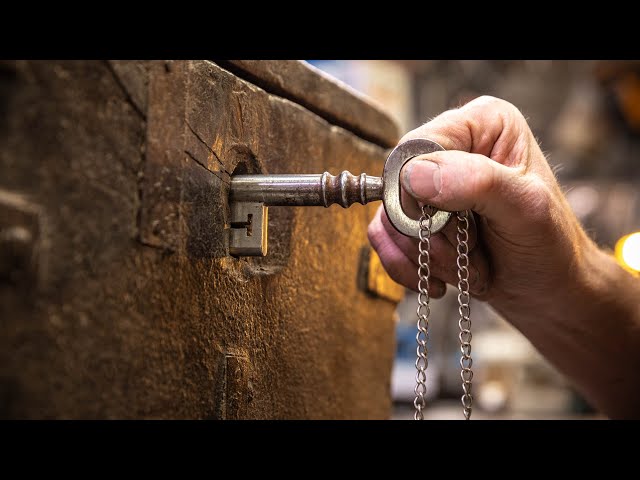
487	125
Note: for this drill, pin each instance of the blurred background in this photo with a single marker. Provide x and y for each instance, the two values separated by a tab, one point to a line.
586	115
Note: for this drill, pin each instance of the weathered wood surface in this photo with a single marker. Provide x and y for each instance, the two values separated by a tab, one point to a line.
130	306
322	94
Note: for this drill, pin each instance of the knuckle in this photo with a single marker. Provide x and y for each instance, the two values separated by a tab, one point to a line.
484	178
493	102
497	104
437	129
416	133
485	100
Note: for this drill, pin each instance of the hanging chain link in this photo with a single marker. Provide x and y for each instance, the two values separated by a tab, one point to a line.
466	362
423	311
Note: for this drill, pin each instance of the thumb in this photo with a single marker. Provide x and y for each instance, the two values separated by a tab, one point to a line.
454	180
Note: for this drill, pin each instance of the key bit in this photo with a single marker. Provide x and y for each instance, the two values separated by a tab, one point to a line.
250	195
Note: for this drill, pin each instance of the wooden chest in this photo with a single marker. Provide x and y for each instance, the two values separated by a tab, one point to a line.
118	296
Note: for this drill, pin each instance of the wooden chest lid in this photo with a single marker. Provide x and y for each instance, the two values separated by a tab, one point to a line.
320	93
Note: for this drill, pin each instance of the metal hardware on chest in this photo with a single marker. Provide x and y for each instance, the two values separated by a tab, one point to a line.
250	195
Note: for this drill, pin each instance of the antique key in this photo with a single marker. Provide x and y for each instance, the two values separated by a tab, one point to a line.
251	195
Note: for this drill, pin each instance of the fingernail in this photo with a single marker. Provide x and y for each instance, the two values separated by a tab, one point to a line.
422	179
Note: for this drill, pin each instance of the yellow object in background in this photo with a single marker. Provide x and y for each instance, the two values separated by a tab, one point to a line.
627	252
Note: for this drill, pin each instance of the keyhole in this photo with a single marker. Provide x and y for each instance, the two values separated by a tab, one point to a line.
249	224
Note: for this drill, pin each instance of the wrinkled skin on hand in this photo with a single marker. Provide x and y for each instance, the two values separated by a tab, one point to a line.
525	240
530	258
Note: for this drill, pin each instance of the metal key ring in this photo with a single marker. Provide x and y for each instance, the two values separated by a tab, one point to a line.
391	188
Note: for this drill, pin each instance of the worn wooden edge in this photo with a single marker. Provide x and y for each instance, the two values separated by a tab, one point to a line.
324	95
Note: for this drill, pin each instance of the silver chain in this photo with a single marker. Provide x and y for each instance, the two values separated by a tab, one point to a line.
423	311
466	362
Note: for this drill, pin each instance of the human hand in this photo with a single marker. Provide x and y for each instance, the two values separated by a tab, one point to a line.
530	258
527	244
